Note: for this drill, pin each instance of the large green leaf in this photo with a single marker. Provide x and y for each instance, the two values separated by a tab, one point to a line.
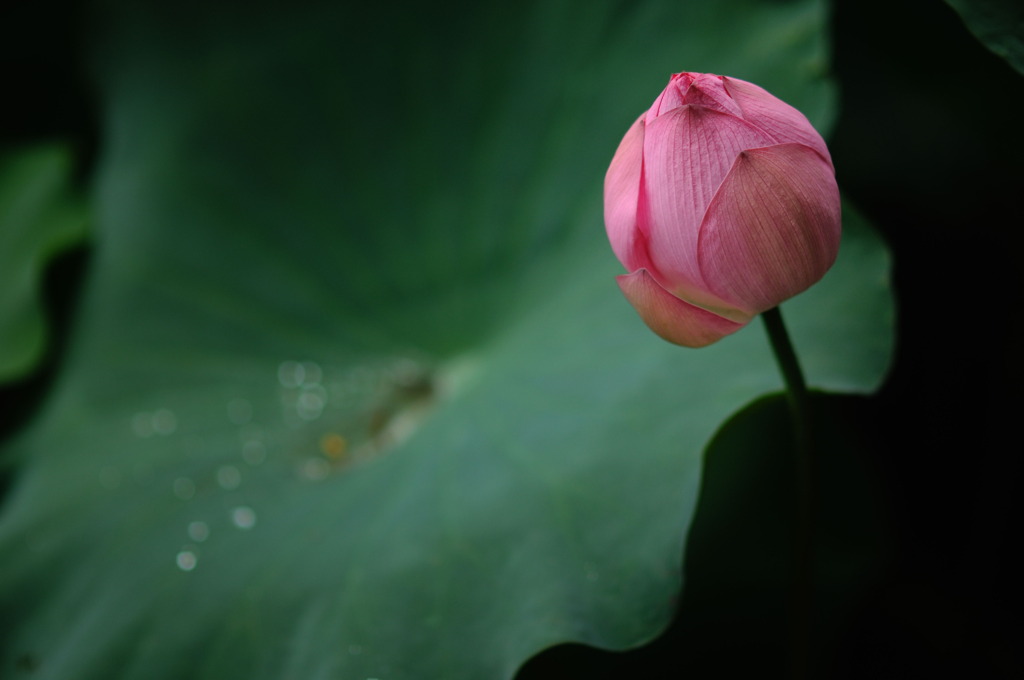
999	24
353	392
739	560
39	217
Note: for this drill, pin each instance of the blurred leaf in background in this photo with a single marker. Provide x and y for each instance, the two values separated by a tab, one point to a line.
40	217
351	391
999	24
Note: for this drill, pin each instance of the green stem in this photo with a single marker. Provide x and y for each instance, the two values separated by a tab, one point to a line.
803	572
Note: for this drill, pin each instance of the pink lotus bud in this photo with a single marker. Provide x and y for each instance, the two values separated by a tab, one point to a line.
722	202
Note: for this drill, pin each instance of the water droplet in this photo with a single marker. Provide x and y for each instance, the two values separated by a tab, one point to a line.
164	422
311	402
228	477
186	560
184	488
253	452
290	374
239	411
110	477
315	469
198	531
243	517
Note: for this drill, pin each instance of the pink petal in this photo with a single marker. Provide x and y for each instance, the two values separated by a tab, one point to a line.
708	91
773	228
687	154
622	194
673	319
781	121
670	98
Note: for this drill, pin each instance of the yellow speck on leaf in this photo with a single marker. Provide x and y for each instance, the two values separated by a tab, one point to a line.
333	445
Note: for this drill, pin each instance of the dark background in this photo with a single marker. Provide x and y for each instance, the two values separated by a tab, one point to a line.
929	145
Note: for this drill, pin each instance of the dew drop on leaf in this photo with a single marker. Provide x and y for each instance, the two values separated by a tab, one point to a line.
315	469
228	477
243	517
198	531
186	560
290	374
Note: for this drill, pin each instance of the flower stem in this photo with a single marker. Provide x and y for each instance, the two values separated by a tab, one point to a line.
802	588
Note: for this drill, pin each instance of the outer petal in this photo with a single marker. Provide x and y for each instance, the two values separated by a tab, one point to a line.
622	194
673	319
777	118
687	154
773	228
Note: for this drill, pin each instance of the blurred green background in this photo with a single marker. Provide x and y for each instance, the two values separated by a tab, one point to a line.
925	139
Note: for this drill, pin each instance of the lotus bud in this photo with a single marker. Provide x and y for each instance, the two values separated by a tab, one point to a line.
721	201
